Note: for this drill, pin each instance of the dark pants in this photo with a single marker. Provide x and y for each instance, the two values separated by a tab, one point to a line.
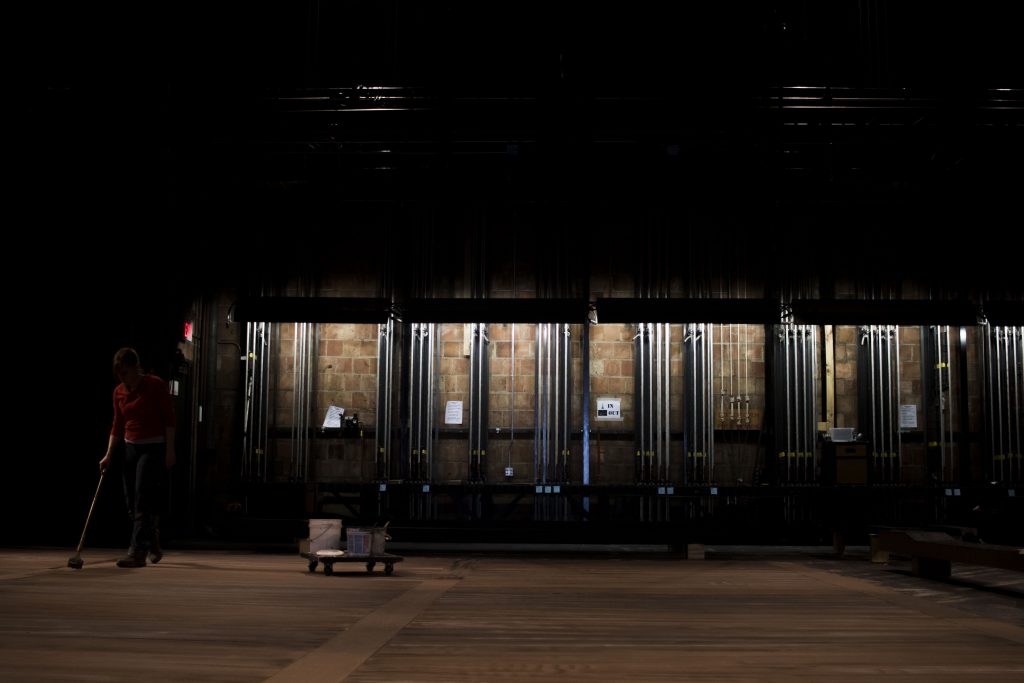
144	490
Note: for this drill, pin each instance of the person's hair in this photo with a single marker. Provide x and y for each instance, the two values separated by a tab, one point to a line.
125	358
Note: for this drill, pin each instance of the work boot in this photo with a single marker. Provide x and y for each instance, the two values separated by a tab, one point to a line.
133	559
156	553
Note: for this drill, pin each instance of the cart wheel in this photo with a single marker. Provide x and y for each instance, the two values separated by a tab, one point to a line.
312	565
389	568
328	569
370	565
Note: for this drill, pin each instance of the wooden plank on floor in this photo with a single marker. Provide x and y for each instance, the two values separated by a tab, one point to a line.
337	658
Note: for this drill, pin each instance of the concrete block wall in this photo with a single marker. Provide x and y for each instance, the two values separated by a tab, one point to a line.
345	368
911	392
613	449
846	340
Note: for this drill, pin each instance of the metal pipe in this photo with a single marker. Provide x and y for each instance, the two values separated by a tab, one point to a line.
641	418
948	407
566	406
546	415
746	374
484	381
731	351
990	386
261	406
888	398
297	398
306	398
303	401
789	444
537	406
876	402
379	421
421	397
883	385
512	388
388	390
295	410
299	395
253	358
800	364
802	405
1008	450
585	343
383	386
481	419
413	399
814	400
700	390
899	432
312	375
560	389
245	406
691	458
261	434
650	408
709	421
668	405
260	402
1018	357
472	403
1001	453
657	384
431	420
721	392
942	400
558	396
871	369
254	433
246	392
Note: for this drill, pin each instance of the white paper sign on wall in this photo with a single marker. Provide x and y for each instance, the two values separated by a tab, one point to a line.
908	417
609	409
453	413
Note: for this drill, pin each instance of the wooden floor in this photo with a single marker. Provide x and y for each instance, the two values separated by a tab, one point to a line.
220	616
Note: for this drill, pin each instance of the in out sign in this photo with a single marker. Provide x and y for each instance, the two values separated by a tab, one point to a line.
609	409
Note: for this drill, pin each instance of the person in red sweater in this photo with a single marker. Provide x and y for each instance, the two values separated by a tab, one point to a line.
144	420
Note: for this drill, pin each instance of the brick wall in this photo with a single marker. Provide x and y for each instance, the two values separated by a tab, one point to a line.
346	375
846	342
612	375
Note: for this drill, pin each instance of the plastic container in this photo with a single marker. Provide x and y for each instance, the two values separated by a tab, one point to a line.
843	434
359	542
324	534
366	541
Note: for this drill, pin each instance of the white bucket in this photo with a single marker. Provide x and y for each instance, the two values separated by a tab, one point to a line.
324	534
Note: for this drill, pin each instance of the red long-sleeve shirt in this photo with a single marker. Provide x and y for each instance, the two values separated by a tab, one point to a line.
143	413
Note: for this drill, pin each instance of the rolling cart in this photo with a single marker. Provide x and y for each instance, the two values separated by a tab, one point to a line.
330	557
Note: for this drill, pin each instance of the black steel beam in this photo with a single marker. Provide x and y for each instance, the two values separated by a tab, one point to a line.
494	310
284	309
883	312
679	310
1004	312
624	310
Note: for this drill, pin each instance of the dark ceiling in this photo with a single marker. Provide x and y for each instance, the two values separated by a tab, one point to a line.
804	133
